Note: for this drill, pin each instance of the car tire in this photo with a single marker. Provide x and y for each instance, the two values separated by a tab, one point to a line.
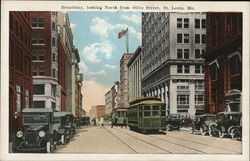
167	128
50	146
191	131
202	131
63	139
221	135
235	134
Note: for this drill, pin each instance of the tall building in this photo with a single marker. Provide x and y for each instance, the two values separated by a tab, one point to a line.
77	79
134	75
20	59
108	102
223	60
56	77
172	68
123	86
45	62
66	39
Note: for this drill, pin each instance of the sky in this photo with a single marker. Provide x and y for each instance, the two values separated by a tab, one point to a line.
95	34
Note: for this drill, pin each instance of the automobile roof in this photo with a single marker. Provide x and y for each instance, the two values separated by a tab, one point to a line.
34	110
229	113
208	114
59	114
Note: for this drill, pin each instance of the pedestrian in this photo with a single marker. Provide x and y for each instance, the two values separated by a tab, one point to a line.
101	122
124	123
112	121
94	121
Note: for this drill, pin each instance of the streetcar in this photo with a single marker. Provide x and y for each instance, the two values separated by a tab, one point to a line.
118	115
147	114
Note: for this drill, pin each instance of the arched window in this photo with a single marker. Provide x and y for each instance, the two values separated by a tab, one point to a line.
235	65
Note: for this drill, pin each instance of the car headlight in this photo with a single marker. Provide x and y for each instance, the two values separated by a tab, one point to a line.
41	133
19	134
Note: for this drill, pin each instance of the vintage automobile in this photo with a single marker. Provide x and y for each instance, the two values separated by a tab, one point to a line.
62	126
38	133
226	123
71	123
201	123
173	122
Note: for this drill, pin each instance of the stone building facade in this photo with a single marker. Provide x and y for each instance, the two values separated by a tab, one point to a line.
172	68
134	75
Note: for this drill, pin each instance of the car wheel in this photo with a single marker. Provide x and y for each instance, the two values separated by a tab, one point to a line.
63	139
167	128
235	134
49	146
191	131
221	135
203	132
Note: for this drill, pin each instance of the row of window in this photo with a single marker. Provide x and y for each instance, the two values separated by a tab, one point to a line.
184	38
186	68
20	31
184	23
37	22
198	86
40	71
183	99
184	53
41	104
39	55
39	89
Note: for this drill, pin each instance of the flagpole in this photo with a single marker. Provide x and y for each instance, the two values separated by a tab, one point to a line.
127	42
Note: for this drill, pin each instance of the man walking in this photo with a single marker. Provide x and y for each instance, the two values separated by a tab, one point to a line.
124	123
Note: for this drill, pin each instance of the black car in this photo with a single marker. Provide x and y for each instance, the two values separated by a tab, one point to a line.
173	122
62	126
226	123
37	134
201	123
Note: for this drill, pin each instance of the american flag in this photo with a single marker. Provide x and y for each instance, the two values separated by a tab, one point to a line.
122	33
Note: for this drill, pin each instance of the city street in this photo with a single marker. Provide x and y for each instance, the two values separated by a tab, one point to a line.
116	140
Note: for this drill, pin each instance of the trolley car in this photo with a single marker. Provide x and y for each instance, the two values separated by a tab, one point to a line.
118	114
147	114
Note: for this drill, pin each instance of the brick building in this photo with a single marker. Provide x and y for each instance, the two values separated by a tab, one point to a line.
20	78
223	61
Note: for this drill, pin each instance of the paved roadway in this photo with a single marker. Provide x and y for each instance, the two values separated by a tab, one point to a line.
116	140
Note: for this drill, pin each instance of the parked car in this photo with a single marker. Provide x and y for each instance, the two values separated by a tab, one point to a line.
38	132
201	123
71	123
226	123
173	122
63	129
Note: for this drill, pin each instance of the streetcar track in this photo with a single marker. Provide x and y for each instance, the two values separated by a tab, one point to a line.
169	142
177	138
121	140
144	141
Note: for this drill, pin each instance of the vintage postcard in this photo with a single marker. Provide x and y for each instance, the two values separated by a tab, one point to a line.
120	80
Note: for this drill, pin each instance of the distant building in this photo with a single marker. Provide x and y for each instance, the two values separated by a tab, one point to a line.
172	68
134	75
20	66
123	93
108	102
97	111
223	60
